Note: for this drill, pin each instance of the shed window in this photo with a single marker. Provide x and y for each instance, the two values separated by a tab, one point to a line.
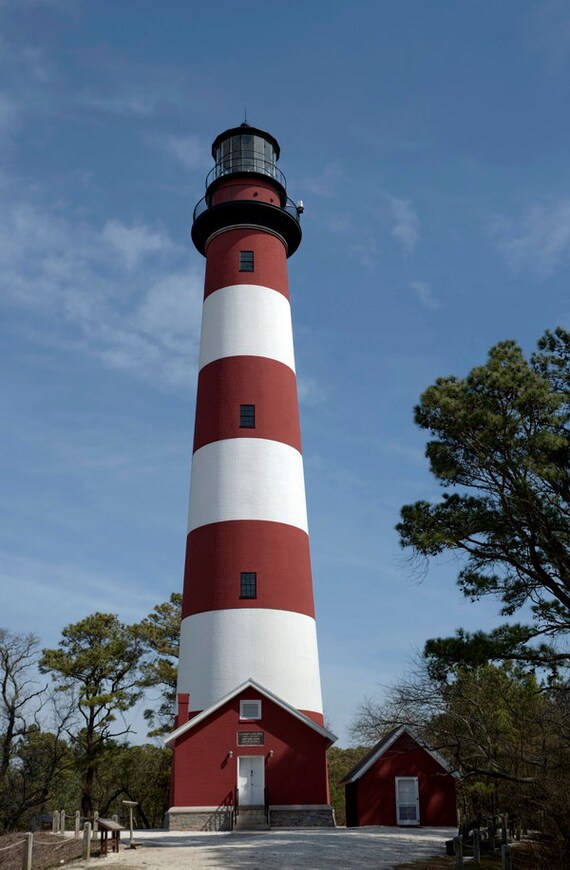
248	584
247	416
246	261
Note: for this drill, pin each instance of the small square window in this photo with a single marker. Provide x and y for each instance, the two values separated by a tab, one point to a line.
247	416
246	261
250	709
248	584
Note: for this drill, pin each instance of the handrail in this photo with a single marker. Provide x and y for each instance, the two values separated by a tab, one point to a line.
236	804
246	162
266	804
203	205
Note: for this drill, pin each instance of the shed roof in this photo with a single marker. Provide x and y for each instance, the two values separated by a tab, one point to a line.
383	745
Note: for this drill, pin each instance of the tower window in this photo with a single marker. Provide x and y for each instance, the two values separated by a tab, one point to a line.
247	416
248	584
246	261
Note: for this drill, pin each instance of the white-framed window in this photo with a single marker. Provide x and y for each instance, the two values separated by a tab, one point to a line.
407	800
250	709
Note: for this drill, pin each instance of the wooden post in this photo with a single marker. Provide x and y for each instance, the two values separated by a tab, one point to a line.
458	849
27	852
504	836
95	822
506	857
77	822
115	817
87	841
62	822
55	822
476	846
492	830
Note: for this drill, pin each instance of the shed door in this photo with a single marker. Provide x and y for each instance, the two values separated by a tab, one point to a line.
251	780
407	800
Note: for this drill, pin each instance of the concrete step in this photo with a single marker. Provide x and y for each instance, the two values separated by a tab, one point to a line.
251	819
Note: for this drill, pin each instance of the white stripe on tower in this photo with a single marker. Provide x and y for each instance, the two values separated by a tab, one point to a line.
247	320
280	653
247	479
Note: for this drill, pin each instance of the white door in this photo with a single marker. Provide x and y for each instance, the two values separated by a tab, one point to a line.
407	800
251	780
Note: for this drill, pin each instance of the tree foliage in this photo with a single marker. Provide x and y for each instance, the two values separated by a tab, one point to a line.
58	749
160	633
98	663
340	761
500	444
31	762
18	690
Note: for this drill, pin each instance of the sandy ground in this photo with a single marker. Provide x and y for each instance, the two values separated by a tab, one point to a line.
331	849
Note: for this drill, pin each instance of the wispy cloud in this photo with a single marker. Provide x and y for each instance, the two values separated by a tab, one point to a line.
29	61
539	240
405	222
127	290
137	104
548	27
79	590
324	184
9	119
365	251
423	293
192	151
134	243
310	391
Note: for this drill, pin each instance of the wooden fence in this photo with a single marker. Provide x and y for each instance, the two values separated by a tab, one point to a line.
59	822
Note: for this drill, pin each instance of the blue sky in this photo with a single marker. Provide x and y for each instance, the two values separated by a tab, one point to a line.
429	142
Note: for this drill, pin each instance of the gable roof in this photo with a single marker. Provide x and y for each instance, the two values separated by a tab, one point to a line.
383	745
306	720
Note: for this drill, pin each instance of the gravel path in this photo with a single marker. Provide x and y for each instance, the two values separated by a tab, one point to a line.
330	849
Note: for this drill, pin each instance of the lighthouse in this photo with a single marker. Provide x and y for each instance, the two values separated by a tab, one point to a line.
250	742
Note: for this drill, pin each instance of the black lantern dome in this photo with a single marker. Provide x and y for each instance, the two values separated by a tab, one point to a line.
245	153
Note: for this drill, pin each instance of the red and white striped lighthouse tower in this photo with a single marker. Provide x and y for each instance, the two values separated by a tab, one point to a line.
250	721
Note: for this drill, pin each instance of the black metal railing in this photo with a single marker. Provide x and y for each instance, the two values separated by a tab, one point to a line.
246	162
266	805
203	206
236	806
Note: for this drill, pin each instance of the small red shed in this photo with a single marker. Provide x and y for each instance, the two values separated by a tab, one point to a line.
401	782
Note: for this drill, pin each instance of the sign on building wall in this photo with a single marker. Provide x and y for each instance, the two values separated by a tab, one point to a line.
250	738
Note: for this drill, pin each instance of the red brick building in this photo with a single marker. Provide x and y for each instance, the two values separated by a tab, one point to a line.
253	743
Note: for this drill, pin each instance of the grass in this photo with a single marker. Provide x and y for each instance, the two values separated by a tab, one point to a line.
49	850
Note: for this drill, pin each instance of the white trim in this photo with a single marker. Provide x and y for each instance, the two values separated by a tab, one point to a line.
219	649
407	823
244	761
178	732
247	320
247	479
263	229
